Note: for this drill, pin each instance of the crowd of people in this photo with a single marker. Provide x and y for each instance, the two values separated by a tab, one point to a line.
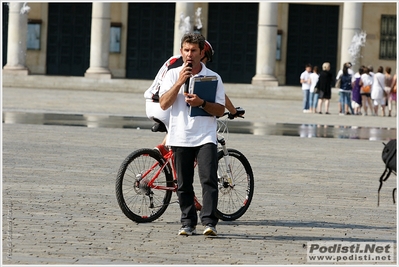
360	93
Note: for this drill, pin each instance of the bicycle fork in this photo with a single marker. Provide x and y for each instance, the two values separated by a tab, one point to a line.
226	158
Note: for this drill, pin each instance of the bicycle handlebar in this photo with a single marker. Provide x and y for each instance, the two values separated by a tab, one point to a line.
239	114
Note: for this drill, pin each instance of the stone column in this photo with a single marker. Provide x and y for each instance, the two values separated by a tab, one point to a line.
267	45
17	36
351	25
182	23
99	43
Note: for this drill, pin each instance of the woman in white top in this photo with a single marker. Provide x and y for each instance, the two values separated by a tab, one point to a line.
365	81
377	91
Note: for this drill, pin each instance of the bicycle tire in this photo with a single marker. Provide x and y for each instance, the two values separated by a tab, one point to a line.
134	197
234	202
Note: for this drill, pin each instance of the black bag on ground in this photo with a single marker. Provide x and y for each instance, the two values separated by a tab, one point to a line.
389	158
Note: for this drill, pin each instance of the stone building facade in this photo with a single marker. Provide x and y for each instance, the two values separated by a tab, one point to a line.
264	43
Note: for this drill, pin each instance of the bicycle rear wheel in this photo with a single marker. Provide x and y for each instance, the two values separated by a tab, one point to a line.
234	200
137	200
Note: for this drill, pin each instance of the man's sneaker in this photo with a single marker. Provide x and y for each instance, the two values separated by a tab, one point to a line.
187	230
210	230
162	150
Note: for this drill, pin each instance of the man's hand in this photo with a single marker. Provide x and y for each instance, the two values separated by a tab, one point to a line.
193	100
239	113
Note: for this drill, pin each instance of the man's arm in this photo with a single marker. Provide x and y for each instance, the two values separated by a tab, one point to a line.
214	109
229	105
169	97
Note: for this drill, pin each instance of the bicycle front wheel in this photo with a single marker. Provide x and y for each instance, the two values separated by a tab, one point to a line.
137	200
234	196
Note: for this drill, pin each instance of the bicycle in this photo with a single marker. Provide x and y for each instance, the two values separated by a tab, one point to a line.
146	180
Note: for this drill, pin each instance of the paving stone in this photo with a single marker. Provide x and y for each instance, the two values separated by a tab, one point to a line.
59	203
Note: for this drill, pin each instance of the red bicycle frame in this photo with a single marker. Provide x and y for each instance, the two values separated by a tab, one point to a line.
169	159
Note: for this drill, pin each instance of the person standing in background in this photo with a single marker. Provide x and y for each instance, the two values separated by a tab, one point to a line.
392	95
305	81
388	83
314	95
325	80
366	81
348	66
377	91
356	97
345	91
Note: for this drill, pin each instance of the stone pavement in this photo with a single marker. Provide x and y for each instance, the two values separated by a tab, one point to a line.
59	204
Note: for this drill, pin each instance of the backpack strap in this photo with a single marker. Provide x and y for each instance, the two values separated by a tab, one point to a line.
386	173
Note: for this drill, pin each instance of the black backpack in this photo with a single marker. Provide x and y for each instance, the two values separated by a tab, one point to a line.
389	158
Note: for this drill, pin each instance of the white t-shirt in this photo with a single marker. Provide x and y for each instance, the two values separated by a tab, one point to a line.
314	78
377	90
189	131
305	76
366	79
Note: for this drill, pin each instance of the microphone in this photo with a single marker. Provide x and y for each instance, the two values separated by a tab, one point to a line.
187	83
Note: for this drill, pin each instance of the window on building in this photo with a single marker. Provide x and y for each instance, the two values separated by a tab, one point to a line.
388	37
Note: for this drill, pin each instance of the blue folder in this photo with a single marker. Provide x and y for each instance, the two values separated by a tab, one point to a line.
205	87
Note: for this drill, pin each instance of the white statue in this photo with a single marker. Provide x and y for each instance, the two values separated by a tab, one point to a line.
198	22
358	40
25	9
184	26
